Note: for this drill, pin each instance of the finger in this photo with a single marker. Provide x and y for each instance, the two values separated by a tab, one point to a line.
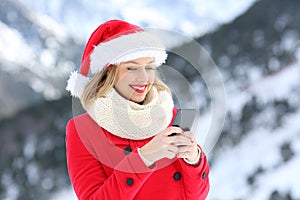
176	140
184	149
190	135
191	153
184	155
170	155
172	148
181	140
173	129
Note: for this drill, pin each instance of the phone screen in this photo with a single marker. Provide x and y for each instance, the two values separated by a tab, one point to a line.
185	118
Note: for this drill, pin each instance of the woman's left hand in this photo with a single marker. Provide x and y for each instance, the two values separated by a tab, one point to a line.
189	152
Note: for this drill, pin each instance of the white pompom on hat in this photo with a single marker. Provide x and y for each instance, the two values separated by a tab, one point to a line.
111	43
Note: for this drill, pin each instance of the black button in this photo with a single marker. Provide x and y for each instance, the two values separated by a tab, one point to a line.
177	176
204	175
129	181
127	150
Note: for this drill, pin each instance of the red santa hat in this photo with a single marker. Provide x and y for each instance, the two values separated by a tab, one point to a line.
111	43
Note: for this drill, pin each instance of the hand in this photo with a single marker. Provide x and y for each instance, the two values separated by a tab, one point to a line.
189	152
165	146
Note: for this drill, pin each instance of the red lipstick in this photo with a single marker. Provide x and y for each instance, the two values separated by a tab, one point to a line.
139	88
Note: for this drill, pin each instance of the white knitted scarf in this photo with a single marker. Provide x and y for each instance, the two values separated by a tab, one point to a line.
130	120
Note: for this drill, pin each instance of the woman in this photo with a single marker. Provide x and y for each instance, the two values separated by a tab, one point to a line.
124	147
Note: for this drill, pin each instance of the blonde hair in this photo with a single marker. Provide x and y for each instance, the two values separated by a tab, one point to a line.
103	81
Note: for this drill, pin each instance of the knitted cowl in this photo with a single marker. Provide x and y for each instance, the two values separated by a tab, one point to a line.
130	120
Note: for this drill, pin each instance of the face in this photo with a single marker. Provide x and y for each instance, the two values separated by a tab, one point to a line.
135	78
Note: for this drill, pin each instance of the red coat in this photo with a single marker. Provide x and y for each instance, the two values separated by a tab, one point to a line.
104	166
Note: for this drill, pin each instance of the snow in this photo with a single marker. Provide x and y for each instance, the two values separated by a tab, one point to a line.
264	90
191	17
79	18
11	41
283	82
12	188
64	194
260	147
257	150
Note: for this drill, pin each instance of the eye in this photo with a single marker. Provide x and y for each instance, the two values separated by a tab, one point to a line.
131	68
150	68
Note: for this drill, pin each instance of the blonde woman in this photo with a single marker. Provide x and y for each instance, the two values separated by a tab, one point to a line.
124	146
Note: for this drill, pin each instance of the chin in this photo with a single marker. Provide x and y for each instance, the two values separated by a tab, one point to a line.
138	99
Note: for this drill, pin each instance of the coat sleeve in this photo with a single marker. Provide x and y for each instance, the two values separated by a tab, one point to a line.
196	180
89	179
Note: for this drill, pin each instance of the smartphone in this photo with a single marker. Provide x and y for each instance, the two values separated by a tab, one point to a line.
184	119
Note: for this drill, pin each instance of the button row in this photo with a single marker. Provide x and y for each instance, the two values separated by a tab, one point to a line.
176	176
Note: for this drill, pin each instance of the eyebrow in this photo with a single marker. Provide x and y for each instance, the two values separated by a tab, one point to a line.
137	63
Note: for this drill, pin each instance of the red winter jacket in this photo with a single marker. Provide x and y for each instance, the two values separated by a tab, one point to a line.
104	166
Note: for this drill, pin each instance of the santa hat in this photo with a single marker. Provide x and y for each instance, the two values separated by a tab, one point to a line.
111	43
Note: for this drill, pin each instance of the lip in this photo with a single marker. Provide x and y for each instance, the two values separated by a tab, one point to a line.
138	88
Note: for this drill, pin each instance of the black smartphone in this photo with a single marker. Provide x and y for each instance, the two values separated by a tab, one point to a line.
184	119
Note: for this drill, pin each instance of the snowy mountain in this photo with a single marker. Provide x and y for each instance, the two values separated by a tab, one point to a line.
264	159
258	54
258	152
178	15
51	35
36	54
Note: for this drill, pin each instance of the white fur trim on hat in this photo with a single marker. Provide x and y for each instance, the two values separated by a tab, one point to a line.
76	84
125	48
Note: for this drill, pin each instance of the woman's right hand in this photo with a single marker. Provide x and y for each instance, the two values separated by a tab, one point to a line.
165	146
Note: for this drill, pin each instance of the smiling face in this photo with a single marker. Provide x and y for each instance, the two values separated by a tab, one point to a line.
135	78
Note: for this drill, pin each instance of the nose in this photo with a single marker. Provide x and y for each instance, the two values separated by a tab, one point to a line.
142	75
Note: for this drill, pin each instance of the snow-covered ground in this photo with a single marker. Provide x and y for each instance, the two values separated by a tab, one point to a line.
64	194
260	148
